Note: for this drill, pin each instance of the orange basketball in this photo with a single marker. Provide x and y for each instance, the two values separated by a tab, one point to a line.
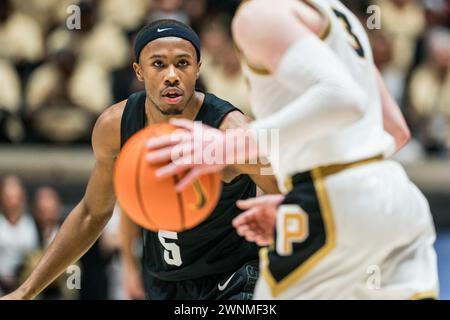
153	203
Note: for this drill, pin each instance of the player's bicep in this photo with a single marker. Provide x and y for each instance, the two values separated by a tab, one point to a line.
99	197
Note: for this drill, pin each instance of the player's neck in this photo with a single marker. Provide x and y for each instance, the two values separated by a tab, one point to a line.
13	217
190	111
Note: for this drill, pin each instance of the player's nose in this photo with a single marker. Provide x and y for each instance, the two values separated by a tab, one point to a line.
172	77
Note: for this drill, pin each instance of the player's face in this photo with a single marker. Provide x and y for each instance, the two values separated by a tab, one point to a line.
169	69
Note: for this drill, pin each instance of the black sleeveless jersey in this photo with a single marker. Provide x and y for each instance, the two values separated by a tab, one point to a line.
211	248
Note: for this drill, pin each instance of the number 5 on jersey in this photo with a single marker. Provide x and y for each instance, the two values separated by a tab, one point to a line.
172	254
292	227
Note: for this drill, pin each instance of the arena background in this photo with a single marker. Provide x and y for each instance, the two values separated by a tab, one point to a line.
54	82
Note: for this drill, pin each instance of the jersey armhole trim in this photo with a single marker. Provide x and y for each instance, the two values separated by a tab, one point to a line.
327	31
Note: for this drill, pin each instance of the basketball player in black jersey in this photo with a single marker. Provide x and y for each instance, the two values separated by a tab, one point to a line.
209	261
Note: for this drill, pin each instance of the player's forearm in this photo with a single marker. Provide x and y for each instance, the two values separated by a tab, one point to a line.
77	234
395	125
128	231
261	174
393	120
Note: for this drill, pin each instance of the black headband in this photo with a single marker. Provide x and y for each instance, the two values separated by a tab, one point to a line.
164	30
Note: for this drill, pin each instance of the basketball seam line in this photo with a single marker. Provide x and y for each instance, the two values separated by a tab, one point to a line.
180	205
139	192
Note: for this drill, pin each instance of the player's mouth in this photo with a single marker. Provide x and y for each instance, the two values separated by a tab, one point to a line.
172	95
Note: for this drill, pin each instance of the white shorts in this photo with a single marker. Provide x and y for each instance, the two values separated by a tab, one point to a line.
365	232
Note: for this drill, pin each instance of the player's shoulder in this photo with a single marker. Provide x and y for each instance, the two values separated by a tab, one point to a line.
213	101
268	15
106	133
111	117
227	115
235	119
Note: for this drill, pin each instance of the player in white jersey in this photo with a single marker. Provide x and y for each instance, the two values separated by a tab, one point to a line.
350	224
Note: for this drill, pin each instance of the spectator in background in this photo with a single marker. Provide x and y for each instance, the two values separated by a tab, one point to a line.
99	42
403	21
47	214
47	210
11	127
18	236
21	37
429	93
437	14
129	15
65	95
359	8
45	12
383	55
124	82
10	85
196	12
167	9
221	67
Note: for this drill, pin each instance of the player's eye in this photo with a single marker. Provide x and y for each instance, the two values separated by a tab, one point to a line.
183	63
158	64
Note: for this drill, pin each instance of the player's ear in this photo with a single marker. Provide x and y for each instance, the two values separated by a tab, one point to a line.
138	70
199	65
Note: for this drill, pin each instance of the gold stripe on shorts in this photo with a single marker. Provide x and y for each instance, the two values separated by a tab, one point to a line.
278	288
431	294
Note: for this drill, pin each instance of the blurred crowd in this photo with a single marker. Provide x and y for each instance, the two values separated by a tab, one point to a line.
28	226
412	51
25	231
55	81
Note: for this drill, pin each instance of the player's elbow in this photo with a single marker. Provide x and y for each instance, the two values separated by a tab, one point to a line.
95	215
403	136
251	16
254	23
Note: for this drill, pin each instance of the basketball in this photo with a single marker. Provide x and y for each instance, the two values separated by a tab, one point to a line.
153	203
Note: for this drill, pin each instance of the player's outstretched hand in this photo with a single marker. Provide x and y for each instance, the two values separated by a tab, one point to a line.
184	150
257	223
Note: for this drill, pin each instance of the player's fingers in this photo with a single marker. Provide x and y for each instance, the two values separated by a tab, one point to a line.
246	231
171	139
160	155
251	236
178	154
245	217
263	241
164	141
242	229
183	123
188	179
172	169
248	203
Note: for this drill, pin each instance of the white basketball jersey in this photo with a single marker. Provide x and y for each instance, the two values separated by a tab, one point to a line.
365	138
